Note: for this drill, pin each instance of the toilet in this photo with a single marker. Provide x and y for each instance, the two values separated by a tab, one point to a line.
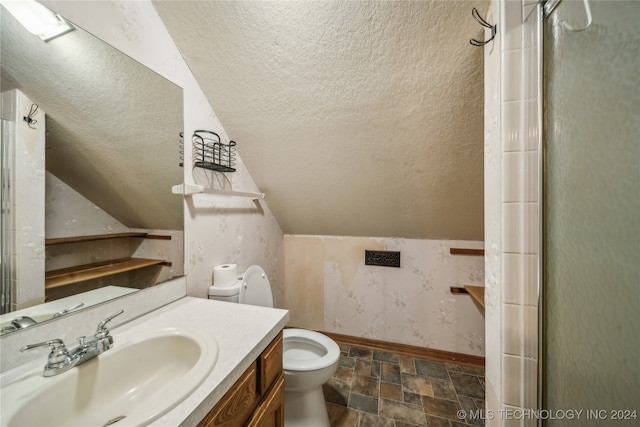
309	358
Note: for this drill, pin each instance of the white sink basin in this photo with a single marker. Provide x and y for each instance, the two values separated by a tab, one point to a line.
144	375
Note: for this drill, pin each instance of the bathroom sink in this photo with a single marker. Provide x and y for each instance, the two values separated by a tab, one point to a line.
144	375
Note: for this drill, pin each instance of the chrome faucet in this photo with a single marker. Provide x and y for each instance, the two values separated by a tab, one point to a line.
68	310
61	360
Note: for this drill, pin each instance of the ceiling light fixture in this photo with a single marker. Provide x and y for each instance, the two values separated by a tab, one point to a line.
37	19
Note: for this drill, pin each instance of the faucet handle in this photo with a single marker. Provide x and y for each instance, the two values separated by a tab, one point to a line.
55	343
102	330
58	350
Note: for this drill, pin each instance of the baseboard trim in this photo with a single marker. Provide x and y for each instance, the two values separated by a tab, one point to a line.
410	350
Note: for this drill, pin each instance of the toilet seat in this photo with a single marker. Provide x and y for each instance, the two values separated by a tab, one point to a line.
255	288
301	348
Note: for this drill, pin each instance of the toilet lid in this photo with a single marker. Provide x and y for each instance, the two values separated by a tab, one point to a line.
255	289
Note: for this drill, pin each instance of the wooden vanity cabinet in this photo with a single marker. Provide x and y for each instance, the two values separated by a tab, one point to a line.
257	398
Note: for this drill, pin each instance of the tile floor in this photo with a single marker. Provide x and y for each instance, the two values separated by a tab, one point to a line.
374	388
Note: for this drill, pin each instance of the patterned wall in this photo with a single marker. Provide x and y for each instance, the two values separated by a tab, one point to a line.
328	287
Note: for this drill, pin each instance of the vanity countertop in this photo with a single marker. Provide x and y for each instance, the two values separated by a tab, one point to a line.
242	333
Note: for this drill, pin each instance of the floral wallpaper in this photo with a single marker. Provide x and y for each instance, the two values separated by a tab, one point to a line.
328	287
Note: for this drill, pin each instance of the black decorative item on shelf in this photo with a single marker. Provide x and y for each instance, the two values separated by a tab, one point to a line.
210	153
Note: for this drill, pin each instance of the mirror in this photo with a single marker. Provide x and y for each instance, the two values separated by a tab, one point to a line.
112	152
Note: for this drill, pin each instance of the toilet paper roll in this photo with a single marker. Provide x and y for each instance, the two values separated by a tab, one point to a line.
225	275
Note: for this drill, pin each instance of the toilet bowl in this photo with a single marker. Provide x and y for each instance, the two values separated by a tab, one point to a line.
309	358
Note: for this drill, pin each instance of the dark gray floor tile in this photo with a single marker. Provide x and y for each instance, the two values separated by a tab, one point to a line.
362	368
341	416
468	405
416	384
435	421
441	407
429	368
406	364
443	389
363	403
383	356
369	420
467	385
412	398
336	391
473	370
375	368
402	412
344	374
360	353
390	373
374	388
453	367
347	362
366	386
391	391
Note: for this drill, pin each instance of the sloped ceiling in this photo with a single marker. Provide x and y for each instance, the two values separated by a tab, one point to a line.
360	118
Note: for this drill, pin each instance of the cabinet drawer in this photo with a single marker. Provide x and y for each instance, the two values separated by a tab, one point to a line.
270	364
270	413
237	405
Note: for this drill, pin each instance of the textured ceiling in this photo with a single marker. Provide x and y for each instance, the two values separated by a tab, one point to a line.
359	118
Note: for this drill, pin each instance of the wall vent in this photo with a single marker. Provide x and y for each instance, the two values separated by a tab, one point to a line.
382	258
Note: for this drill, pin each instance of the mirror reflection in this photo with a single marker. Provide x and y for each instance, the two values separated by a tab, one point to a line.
88	213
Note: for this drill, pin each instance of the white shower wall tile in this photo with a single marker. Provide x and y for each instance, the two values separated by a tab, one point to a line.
513	330
521	391
518	271
517	366
512	89
513	371
512	30
511	131
530	333
531	133
529	66
513	170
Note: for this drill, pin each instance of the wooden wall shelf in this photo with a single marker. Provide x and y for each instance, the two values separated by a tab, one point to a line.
462	251
79	239
476	293
81	273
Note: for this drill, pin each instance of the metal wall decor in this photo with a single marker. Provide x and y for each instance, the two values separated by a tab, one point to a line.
481	21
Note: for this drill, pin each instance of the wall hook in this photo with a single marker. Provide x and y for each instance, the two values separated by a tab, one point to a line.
481	21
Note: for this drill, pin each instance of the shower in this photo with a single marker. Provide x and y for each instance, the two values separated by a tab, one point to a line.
591	199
